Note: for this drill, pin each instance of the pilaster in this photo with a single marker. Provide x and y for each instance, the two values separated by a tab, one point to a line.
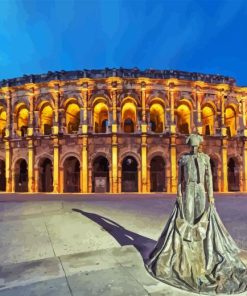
114	163
84	166
8	162
30	165
173	161
224	182
56	183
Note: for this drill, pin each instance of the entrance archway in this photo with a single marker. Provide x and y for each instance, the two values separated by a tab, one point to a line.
21	176
157	174
214	169
100	180
233	175
45	176
71	168
129	175
2	176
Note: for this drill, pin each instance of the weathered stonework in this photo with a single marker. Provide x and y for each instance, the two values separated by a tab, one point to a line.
123	129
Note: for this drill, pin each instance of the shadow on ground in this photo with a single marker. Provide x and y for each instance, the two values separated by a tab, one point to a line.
123	236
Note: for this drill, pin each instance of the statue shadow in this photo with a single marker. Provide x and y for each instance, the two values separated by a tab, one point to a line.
124	237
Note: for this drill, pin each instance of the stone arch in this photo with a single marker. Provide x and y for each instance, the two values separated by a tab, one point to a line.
45	174
3	120
215	163
157	116
98	154
99	97
69	154
208	114
129	115
72	115
21	112
157	168
129	174
100	174
41	156
21	175
71	169
41	99
129	153
71	97
100	115
46	117
231	113
129	95
159	96
233	172
184	116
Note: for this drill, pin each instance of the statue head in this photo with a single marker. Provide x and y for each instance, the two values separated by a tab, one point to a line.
194	141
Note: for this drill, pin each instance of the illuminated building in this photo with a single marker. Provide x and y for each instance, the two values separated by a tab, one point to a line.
118	130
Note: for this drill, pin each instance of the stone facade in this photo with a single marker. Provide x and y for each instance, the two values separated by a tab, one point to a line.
118	130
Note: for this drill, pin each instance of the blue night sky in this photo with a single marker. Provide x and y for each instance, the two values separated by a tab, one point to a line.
197	36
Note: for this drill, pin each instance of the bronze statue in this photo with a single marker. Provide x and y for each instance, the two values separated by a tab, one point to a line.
195	252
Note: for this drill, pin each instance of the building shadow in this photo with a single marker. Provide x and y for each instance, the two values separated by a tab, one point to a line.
124	237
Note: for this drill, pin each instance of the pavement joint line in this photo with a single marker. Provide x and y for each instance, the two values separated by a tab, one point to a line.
49	237
67	281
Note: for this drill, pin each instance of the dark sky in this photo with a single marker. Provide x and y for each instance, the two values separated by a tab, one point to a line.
198	36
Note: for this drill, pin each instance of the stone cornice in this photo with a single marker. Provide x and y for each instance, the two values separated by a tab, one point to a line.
120	72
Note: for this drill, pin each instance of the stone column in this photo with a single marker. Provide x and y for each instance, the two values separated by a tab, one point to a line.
31	116
199	99
224	182
119	179
57	115
114	111
172	110
89	178
56	183
9	127
8	162
139	179
61	179
222	100
30	165
173	161
84	166
144	163
36	179
114	163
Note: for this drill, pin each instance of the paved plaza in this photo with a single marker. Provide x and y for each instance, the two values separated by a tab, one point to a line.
92	244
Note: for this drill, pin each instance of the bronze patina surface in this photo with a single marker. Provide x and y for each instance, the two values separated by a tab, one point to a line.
195	252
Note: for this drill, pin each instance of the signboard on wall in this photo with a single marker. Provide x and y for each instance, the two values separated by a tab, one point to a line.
100	184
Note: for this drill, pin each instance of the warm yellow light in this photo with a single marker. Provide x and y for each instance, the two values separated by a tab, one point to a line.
22	117
72	117
208	120
3	117
183	118
100	115
230	119
157	116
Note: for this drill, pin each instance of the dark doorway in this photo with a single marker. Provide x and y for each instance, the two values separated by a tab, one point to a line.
129	175
2	176
157	175
45	176
100	180
233	175
128	126
214	169
71	175
21	176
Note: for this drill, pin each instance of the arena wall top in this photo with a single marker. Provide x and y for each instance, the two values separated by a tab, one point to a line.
120	72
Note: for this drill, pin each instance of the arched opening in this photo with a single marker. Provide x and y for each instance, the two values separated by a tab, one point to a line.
21	176
208	120
183	119
230	121
214	169
157	174
46	120
129	117
46	176
3	118
22	120
129	175
100	117
233	175
157	116
100	180
71	169
2	176
72	118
